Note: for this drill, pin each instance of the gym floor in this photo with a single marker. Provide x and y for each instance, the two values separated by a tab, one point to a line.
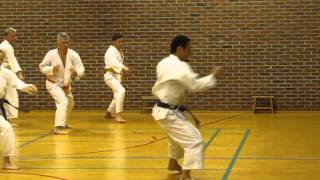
239	145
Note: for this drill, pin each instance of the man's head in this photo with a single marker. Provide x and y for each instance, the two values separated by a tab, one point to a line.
10	34
2	55
180	46
117	40
63	41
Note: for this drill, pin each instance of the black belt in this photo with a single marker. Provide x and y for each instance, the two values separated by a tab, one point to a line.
168	106
180	108
3	110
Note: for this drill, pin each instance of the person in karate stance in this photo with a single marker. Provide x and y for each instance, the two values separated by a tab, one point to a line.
7	138
10	62
174	79
114	71
61	65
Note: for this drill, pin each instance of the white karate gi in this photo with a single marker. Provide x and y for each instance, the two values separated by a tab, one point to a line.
174	79
113	64
63	100
7	138
10	62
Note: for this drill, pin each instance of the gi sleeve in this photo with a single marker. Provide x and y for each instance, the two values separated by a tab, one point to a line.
14	81
192	82
46	65
78	65
12	60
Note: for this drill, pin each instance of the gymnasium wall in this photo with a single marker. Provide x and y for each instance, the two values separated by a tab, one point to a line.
267	47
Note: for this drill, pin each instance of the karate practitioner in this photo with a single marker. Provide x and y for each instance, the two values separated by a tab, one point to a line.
7	138
114	71
61	65
174	79
10	62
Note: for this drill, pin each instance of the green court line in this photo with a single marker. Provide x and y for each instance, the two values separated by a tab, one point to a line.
216	132
236	155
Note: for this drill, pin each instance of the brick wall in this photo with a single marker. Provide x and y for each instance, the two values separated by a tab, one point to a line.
267	47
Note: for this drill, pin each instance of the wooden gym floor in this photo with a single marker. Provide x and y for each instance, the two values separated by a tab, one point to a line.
239	145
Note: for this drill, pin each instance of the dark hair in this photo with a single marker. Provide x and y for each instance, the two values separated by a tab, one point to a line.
180	40
116	37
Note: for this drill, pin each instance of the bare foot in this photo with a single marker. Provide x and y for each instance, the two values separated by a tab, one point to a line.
174	166
68	127
108	115
59	131
120	119
10	167
185	175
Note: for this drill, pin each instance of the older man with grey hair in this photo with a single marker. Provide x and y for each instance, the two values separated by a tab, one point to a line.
10	62
61	66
